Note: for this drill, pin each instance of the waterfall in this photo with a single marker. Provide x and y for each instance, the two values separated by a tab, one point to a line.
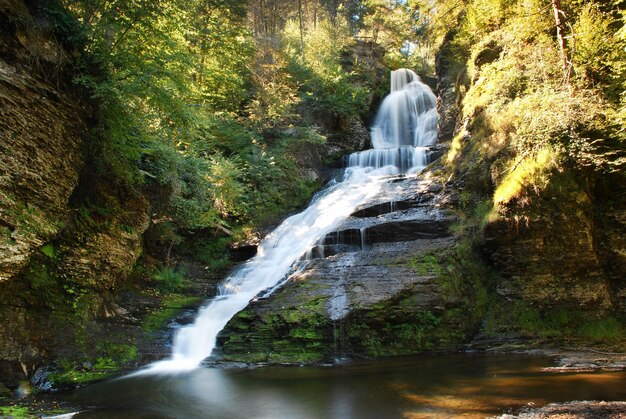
399	147
405	126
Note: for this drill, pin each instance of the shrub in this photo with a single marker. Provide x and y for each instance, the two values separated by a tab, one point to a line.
169	279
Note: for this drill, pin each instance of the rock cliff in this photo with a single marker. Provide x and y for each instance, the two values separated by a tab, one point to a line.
555	252
42	128
59	259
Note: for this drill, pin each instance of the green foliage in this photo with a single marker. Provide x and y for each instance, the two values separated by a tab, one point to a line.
607	328
528	122
563	323
194	110
49	250
15	412
89	219
169	279
599	57
324	85
212	252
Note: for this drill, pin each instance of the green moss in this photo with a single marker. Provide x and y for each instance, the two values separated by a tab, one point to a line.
78	377
414	334
394	331
49	250
310	311
40	278
251	357
304	333
298	333
244	314
29	220
560	324
6	235
115	354
290	351
71	374
426	264
15	412
295	358
113	357
170	307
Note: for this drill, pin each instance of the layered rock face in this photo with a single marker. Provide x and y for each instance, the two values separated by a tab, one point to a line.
42	129
388	285
56	274
560	264
550	257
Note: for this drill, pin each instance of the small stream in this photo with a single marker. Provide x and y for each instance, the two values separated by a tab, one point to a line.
468	385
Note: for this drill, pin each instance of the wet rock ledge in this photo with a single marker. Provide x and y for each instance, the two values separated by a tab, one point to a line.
386	282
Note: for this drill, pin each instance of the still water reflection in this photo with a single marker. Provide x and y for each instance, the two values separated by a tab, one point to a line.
468	385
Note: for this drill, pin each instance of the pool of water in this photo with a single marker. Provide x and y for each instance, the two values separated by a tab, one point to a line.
468	385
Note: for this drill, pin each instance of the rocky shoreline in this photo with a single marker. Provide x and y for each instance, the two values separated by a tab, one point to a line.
575	409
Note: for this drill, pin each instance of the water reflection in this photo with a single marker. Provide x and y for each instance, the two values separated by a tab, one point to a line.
469	385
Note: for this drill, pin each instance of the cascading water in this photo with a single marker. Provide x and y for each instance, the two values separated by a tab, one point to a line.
404	128
405	125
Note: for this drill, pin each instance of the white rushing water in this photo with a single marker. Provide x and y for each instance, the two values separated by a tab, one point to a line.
406	124
398	149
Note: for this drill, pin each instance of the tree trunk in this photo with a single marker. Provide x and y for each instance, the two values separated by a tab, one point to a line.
169	254
301	27
558	13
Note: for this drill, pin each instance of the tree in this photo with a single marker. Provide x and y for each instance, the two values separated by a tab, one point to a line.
559	15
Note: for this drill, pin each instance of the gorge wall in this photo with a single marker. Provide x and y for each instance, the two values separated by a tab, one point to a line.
56	273
555	245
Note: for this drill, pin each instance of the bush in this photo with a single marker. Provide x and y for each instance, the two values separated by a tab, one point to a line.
169	280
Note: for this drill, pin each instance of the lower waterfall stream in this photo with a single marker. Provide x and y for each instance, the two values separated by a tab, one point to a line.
277	257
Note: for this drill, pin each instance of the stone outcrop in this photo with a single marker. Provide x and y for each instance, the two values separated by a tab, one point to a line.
60	262
560	263
42	130
388	285
576	409
348	133
556	253
451	80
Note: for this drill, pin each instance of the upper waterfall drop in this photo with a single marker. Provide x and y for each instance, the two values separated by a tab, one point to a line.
408	115
405	125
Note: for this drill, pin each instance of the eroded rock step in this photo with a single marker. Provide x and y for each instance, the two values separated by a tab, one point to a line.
415	216
385	283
